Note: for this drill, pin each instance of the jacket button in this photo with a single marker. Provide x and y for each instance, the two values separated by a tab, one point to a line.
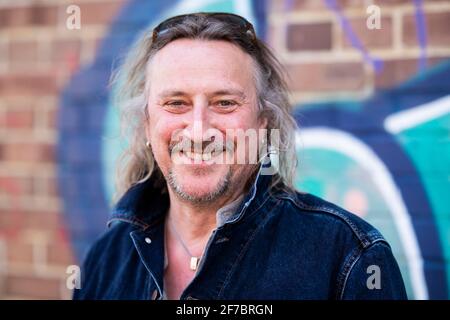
148	240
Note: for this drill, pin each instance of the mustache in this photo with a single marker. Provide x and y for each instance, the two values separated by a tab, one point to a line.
187	145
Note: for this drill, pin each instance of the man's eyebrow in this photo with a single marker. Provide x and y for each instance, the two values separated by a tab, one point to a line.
230	92
177	93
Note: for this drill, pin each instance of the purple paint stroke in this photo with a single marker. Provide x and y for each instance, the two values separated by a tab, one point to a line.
421	32
353	38
288	5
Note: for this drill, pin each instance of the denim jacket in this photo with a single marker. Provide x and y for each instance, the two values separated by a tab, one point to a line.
278	245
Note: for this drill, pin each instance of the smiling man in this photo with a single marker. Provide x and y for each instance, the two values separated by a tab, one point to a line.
207	208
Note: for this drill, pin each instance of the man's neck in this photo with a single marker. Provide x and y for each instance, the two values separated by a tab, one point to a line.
193	222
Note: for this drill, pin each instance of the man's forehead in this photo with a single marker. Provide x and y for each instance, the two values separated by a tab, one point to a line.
181	49
187	56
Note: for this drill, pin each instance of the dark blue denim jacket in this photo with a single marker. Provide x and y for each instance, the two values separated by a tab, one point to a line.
281	245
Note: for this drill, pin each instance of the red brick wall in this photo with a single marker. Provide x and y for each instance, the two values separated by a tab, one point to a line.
321	61
38	55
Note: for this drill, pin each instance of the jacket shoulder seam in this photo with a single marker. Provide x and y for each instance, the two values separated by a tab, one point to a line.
365	238
350	264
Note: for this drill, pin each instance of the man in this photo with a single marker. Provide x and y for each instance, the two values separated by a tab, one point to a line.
199	218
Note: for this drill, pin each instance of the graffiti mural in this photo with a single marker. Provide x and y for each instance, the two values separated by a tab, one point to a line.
386	158
377	163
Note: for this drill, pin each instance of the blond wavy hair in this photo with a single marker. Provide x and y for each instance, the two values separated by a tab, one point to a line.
137	163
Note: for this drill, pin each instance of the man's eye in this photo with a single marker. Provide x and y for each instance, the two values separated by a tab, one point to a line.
176	106
226	103
176	103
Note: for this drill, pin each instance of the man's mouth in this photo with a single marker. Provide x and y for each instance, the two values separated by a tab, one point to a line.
206	154
201	156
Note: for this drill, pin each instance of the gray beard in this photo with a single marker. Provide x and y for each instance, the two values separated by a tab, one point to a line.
222	188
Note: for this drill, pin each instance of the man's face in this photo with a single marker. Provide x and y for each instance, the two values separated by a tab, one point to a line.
200	90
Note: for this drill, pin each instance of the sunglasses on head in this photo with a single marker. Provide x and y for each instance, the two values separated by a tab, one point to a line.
230	18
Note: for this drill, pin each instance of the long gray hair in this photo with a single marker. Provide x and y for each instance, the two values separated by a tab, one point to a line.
137	163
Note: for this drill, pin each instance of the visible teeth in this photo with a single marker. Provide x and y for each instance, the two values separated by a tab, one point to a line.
194	156
206	156
198	157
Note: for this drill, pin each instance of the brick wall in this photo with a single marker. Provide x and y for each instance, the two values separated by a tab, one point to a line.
38	55
321	61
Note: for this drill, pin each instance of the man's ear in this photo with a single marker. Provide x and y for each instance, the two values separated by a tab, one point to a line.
263	122
146	124
147	132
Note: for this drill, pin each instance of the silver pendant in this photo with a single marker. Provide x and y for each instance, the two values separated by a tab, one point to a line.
194	263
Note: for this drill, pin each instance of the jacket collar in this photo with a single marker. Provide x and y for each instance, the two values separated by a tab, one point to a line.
144	204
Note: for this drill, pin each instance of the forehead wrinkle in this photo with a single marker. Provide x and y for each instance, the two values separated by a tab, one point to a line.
177	69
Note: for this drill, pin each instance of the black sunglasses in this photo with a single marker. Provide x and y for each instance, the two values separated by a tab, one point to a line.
231	18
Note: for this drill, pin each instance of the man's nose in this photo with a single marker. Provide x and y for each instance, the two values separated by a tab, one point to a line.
198	123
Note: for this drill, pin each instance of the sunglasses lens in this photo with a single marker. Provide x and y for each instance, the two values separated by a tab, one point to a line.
225	17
